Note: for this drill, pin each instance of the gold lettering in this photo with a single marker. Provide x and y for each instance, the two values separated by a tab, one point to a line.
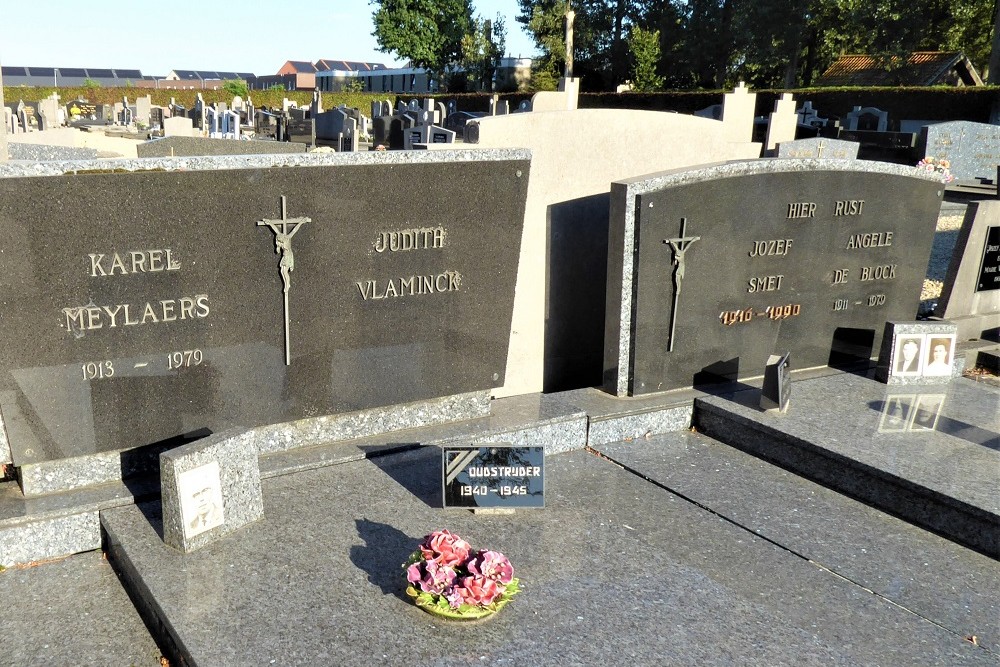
886	272
770	248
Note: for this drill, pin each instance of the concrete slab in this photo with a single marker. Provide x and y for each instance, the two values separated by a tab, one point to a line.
922	572
71	612
942	472
614	567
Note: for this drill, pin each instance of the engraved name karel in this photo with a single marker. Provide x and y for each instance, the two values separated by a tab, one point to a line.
89	317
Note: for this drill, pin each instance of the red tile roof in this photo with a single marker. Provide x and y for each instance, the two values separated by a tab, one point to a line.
921	68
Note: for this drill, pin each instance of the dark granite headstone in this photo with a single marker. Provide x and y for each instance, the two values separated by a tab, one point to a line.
497	476
711	270
819	147
777	386
989	267
173	304
972	148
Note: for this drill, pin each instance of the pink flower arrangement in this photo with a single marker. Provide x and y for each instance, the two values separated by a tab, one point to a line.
941	167
448	579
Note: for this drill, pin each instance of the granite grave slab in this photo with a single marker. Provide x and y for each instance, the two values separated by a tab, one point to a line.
970	296
713	270
170	308
972	148
819	147
614	565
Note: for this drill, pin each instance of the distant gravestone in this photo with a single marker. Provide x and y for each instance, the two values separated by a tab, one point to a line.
972	148
209	489
819	147
781	124
737	113
971	294
143	106
178	126
867	119
697	296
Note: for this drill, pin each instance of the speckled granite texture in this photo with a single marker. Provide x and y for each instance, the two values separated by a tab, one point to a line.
930	457
235	457
71	612
203	163
40	152
614	566
41	539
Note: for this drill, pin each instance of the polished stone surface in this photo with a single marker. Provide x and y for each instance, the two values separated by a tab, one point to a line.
931	456
696	295
913	568
614	566
71	612
172	306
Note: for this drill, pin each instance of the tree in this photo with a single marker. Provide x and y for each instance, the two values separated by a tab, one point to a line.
236	88
428	33
481	51
645	48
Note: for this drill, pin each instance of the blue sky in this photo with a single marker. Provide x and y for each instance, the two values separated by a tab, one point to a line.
249	36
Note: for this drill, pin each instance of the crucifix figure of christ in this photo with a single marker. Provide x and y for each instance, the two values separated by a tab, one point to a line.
678	247
284	229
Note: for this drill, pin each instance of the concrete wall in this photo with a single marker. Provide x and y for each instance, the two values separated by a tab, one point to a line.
558	325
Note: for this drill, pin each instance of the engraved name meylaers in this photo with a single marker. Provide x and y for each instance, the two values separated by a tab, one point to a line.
90	317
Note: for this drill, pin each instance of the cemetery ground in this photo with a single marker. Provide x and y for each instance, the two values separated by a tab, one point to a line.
672	549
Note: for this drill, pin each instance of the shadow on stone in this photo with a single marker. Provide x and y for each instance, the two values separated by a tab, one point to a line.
415	468
385	550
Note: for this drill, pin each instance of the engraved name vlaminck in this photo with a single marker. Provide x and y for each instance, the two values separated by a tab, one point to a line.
284	229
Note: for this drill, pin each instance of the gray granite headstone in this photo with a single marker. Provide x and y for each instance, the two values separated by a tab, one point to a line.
971	294
176	146
819	147
712	269
972	148
917	353
210	489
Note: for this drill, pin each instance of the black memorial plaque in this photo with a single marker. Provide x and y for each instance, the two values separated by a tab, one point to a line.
726	269
776	389
173	304
989	268
497	476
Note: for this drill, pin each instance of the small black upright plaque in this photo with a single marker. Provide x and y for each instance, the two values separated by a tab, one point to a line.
989	269
499	475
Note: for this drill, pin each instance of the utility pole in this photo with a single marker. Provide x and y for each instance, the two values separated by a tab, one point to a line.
570	15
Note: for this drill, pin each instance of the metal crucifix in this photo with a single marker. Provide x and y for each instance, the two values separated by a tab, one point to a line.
678	246
283	247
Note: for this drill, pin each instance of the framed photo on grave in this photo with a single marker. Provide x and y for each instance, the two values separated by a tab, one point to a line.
908	355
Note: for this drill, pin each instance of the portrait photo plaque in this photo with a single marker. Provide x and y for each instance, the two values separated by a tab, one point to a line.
200	491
